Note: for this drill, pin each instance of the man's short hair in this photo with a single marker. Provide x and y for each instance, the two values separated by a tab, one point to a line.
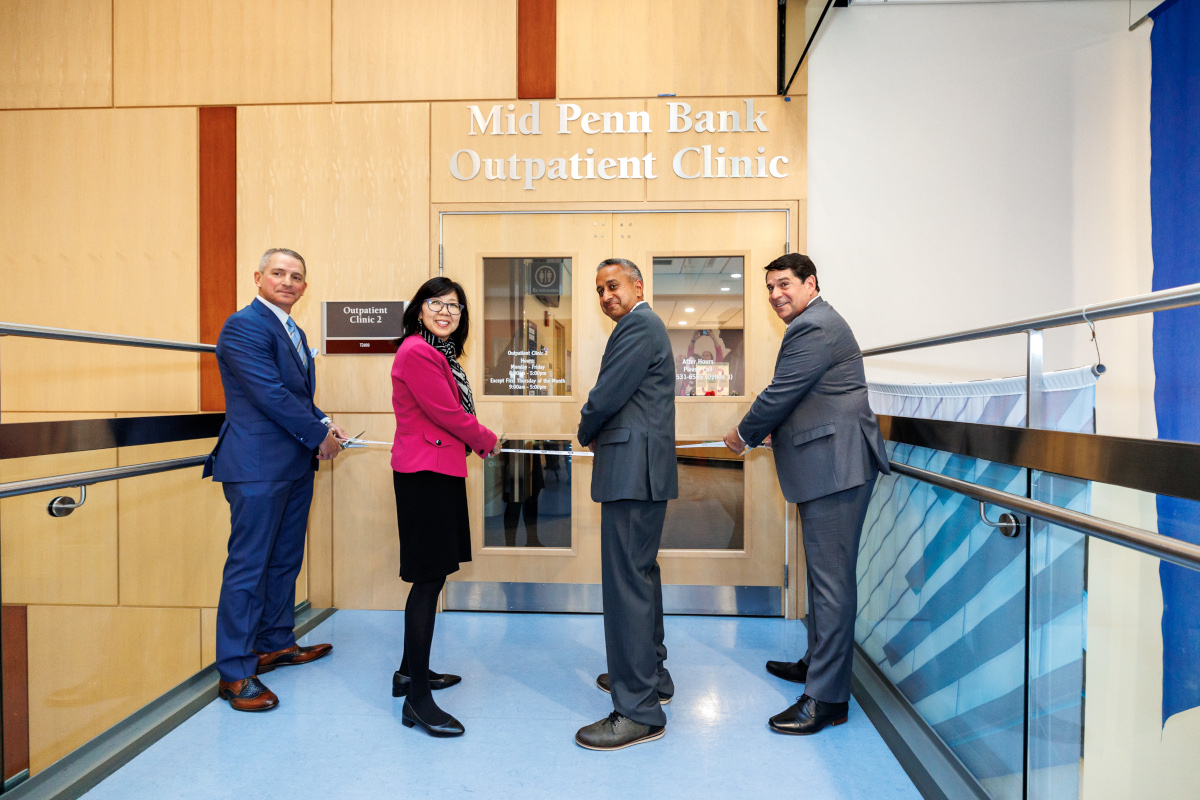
262	262
630	268
801	266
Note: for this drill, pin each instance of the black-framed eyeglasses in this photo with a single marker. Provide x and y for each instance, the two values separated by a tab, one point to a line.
435	305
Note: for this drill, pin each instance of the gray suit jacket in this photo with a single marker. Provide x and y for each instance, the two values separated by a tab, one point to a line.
824	435
630	413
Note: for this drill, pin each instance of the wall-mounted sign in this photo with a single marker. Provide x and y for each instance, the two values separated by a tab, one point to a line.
716	158
545	277
361	327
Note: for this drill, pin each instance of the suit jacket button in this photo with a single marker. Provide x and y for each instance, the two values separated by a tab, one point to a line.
438	442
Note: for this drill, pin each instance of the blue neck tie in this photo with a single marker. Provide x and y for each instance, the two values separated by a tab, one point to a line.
294	332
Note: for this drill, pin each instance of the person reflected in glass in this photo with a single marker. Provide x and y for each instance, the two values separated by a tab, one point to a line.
436	429
524	480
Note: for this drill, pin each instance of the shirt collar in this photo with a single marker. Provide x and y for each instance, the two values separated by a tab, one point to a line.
639	303
812	300
276	310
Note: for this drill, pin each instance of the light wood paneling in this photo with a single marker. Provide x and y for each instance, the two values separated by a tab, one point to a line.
55	53
410	50
208	636
98	232
452	126
320	538
366	544
221	52
65	560
786	137
347	187
174	530
91	667
643	48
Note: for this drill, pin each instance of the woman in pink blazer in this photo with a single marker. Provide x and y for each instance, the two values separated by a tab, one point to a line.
435	430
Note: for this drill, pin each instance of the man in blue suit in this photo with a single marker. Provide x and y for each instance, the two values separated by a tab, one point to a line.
265	457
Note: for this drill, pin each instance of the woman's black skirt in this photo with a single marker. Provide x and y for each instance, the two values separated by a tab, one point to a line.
435	533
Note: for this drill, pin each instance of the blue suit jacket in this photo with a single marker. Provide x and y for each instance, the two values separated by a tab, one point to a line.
272	429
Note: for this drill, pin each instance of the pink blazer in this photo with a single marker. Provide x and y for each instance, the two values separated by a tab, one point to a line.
431	426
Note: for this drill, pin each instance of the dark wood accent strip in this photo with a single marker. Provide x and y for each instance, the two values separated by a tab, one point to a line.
24	439
218	240
14	630
1158	466
537	49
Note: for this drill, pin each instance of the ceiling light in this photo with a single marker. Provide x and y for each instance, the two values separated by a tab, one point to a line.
724	288
688	310
735	275
683	322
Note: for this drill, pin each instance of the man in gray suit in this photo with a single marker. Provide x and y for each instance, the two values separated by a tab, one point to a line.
629	423
828	452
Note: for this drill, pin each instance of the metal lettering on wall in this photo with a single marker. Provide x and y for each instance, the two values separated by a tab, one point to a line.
361	327
742	159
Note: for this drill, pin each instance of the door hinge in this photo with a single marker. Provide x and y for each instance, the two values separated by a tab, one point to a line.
785	576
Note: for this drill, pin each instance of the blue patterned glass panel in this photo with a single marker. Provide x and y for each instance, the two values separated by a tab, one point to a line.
941	610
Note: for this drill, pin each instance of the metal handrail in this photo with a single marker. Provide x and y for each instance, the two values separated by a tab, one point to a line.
56	482
68	335
1163	300
1175	551
1166	548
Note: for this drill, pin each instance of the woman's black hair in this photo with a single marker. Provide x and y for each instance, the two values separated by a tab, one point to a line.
436	287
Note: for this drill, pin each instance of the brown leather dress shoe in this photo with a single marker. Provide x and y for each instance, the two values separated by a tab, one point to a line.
291	656
248	694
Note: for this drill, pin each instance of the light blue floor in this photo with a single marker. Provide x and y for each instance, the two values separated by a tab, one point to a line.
528	685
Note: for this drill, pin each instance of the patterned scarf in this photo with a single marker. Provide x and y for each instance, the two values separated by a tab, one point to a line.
446	348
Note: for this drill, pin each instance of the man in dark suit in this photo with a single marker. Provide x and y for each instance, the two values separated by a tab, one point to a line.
828	452
629	423
265	457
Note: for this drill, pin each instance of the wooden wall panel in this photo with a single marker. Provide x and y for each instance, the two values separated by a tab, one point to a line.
98	232
55	53
218	240
91	667
366	543
786	136
16	689
221	52
347	187
452	127
644	48
320	538
174	528
536	40
411	50
208	636
65	560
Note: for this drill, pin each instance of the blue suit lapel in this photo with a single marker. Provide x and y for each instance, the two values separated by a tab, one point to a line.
277	327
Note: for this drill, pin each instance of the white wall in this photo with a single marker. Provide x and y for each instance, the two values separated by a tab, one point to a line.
977	163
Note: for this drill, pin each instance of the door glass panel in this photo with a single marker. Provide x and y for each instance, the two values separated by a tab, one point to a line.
708	513
701	300
527	327
527	497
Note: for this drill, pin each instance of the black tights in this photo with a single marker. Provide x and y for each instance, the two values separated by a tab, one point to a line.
419	614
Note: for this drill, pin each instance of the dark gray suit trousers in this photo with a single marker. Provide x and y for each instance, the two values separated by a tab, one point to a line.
832	526
630	532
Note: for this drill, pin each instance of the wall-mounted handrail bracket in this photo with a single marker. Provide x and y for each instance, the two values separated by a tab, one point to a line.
1009	524
63	505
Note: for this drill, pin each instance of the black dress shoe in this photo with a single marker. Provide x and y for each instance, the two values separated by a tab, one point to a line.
605	686
451	727
808	716
796	673
401	683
